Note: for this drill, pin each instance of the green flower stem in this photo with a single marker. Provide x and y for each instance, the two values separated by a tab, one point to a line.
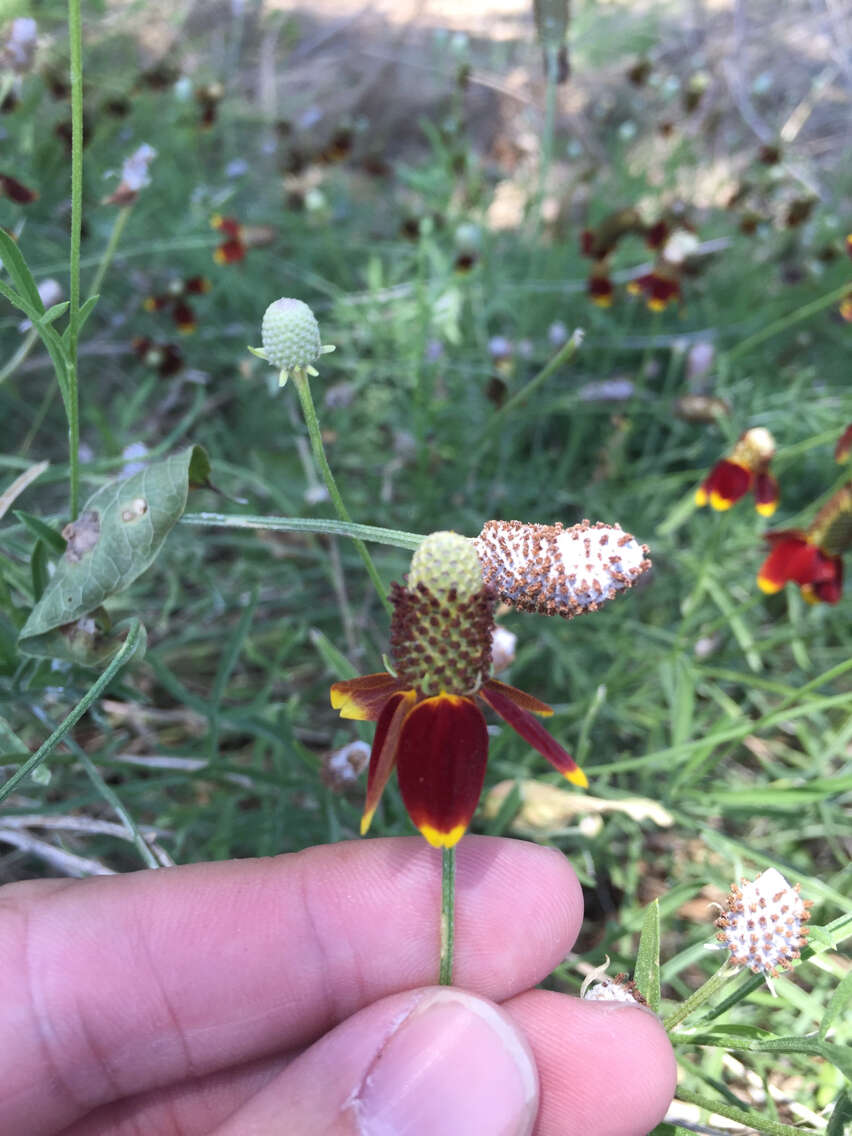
562	356
75	37
109	252
448	915
754	1121
124	655
303	387
395	537
700	996
802	313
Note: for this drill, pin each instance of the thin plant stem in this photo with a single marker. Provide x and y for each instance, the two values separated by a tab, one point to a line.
754	1121
448	915
700	996
75	37
395	537
109	252
122	656
548	131
110	796
802	313
303	388
562	356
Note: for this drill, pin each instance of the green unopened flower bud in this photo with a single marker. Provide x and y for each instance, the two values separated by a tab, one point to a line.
446	561
443	620
290	339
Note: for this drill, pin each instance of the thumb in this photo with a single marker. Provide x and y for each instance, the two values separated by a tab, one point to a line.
433	1060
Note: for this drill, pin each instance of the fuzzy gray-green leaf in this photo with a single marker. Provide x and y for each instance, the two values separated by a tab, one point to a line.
116	537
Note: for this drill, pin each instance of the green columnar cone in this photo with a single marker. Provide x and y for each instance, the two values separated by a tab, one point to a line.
443	620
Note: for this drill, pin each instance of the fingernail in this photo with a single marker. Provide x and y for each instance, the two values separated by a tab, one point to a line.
455	1064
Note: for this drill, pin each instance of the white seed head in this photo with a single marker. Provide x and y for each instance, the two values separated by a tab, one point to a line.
763	924
559	571
599	987
18	51
290	335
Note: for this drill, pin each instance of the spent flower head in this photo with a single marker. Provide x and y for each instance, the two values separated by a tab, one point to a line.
135	175
599	987
763	924
290	337
559	571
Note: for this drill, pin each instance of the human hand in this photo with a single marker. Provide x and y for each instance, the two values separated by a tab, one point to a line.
258	997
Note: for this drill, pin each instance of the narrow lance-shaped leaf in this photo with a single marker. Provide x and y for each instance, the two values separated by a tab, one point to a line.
647	971
115	539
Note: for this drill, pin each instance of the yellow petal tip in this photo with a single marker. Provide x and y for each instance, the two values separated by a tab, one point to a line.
442	839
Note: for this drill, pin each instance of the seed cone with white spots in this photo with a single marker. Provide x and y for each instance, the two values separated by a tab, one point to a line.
559	571
764	924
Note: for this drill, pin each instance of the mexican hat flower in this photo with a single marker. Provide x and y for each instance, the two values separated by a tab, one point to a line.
812	558
430	724
746	468
175	298
239	238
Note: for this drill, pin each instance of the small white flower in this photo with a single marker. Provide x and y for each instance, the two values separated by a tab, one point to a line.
559	571
132	454
344	766
503	643
681	245
134	176
557	333
763	925
19	49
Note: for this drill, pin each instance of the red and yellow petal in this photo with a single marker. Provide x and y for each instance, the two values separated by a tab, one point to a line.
364	698
532	731
726	483
384	752
791	558
196	285
766	494
519	697
441	758
184	317
230	252
600	290
829	589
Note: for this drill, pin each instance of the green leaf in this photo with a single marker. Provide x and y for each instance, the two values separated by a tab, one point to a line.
841	1116
115	539
38	569
836	1004
19	273
10	744
42	531
647	971
334	659
53	313
86	309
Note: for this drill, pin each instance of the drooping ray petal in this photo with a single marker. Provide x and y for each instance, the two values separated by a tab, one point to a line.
184	317
519	697
766	494
830	588
726	483
441	757
791	557
197	284
384	752
364	698
533	732
230	252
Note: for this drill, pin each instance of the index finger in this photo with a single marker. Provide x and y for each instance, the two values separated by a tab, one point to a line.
120	984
